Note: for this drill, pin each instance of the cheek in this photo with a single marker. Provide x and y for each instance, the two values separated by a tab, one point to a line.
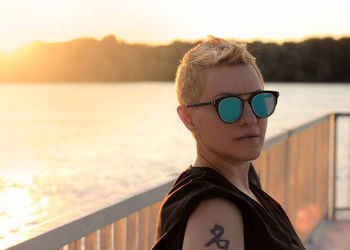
211	130
262	124
208	117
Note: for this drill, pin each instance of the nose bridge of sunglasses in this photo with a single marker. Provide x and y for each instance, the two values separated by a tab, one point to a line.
246	103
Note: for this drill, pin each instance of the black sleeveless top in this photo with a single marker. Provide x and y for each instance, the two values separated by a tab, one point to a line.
265	227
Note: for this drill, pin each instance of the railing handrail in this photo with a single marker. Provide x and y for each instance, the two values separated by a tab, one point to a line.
64	232
92	221
338	114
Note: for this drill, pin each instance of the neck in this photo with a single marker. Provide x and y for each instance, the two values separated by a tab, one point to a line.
234	171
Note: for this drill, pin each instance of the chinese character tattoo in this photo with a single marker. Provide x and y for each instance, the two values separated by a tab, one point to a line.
218	231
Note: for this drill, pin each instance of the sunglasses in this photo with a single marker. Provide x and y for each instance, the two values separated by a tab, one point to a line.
229	107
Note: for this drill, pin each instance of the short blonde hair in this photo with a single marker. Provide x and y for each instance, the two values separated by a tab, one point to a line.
212	52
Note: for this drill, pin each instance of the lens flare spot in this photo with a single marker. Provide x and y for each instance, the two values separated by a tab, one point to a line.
307	218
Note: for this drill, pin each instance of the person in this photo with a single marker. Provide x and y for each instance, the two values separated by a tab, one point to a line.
218	203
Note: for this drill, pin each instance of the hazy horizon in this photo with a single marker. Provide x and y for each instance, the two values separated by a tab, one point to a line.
114	60
277	41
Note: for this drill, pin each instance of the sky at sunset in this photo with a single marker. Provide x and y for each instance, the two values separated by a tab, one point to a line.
162	21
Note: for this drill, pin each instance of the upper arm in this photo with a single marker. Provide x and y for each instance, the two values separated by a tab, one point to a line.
215	224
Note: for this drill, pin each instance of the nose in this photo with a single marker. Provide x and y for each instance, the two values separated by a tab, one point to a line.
247	117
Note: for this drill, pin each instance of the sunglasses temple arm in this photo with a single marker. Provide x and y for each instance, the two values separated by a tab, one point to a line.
199	104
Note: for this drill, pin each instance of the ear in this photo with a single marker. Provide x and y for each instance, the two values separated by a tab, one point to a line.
186	116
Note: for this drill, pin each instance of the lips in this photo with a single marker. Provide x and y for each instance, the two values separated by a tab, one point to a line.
248	136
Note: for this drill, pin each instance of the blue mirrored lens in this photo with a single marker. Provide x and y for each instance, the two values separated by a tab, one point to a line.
264	104
230	109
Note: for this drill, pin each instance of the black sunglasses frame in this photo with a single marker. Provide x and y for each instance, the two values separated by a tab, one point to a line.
216	102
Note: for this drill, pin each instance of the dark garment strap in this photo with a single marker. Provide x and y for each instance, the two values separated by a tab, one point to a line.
253	177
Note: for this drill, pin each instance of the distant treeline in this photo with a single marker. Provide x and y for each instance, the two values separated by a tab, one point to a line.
113	60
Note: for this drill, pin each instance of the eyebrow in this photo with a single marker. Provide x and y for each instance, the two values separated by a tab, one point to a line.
235	94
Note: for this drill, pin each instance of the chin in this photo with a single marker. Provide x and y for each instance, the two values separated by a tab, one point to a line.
249	155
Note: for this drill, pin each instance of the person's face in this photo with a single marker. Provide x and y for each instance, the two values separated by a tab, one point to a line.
241	140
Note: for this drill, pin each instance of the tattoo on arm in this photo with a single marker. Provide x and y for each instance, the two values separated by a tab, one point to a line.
218	231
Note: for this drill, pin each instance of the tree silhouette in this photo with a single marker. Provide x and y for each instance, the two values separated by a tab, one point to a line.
113	60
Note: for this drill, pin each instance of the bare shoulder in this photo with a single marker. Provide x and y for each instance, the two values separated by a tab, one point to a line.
215	224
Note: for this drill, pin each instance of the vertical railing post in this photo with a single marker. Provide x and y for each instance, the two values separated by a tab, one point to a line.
332	167
335	166
287	170
348	164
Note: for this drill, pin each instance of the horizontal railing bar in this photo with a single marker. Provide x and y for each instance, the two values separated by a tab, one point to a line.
341	114
285	135
85	225
342	209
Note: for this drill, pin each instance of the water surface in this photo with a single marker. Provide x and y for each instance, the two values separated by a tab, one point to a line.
65	146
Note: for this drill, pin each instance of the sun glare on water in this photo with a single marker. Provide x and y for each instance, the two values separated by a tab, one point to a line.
18	210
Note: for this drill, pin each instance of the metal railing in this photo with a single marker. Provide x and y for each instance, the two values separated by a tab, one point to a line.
341	166
294	170
297	168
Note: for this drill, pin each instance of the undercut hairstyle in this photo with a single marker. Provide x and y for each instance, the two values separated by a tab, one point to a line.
212	52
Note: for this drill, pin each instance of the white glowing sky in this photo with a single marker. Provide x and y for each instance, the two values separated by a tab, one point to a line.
161	21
